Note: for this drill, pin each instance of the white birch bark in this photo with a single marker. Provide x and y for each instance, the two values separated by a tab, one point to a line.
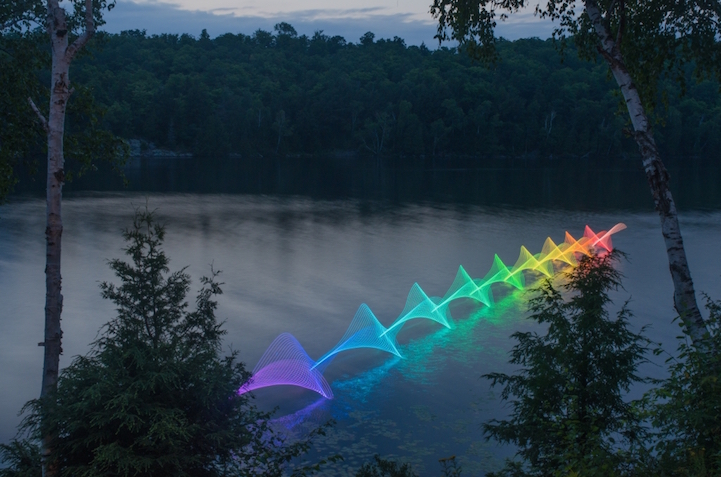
684	295
60	91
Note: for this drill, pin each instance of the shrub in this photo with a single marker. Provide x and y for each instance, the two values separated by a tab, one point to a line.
154	396
685	408
568	409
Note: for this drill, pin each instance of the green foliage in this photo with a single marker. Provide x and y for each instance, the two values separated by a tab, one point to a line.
224	95
657	38
87	140
385	468
21	57
22	458
686	407
154	396
19	15
568	409
24	62
388	468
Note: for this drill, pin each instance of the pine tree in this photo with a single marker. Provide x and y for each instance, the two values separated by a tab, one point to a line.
569	414
154	396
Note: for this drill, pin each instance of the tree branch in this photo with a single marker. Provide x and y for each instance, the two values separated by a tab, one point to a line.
43	121
621	23
594	13
609	58
612	6
609	13
82	40
25	18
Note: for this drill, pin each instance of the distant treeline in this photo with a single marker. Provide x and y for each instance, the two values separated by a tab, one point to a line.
290	94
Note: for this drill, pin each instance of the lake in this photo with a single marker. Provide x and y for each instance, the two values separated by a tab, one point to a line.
302	243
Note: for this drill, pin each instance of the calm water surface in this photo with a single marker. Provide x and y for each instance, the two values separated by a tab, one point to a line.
301	258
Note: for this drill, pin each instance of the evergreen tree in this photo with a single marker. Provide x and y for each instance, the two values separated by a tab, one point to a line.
686	407
22	458
385	468
568	409
154	397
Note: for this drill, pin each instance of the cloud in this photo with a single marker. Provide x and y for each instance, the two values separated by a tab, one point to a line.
350	23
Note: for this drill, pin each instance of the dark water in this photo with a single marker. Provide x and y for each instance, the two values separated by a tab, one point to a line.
302	244
580	184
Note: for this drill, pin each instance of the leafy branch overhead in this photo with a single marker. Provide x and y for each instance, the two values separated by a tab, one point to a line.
657	38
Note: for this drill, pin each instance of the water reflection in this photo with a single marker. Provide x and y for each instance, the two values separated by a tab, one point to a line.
576	184
302	260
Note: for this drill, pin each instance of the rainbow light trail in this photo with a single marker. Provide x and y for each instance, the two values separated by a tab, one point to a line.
285	362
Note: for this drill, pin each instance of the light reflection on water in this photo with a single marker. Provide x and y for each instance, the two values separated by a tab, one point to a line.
303	266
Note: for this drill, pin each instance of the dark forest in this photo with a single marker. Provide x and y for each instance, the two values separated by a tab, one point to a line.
283	93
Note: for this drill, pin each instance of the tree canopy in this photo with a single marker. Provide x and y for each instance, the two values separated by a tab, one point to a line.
657	38
21	58
225	95
25	64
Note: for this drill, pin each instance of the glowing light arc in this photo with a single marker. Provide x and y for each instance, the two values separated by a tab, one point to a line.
285	362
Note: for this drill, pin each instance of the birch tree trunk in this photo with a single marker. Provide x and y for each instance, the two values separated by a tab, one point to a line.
54	125
684	295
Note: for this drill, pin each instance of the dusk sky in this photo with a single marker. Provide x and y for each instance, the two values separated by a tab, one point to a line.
408	19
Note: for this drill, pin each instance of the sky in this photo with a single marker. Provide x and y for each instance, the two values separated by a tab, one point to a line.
408	19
